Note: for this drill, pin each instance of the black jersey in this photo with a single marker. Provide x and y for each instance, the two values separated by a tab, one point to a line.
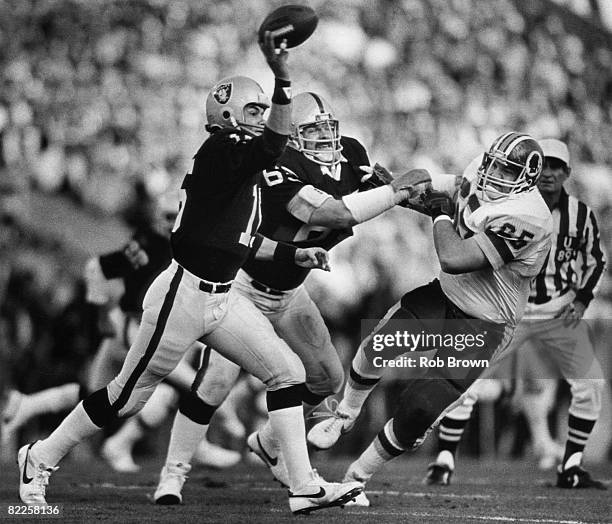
220	209
136	280
294	171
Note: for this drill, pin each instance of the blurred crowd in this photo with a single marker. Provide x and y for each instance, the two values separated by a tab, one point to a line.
102	105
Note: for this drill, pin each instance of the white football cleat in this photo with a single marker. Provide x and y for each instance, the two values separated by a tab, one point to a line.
275	464
33	478
352	475
213	456
170	486
360	500
326	433
319	494
118	457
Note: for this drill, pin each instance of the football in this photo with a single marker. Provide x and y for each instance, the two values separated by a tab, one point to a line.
295	23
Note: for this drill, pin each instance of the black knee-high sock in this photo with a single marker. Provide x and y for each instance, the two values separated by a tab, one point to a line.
578	432
450	433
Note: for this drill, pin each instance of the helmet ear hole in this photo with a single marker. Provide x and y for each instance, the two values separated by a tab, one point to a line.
226	114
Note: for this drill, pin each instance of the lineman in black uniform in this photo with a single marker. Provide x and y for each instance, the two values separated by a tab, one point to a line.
212	237
311	198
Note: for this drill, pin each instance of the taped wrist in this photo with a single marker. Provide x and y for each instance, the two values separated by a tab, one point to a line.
282	92
369	204
444	182
284	253
442	218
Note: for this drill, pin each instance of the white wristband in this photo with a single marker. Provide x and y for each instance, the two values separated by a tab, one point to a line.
369	204
444	182
439	218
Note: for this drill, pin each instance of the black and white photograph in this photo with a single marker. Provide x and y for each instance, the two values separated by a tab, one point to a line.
346	261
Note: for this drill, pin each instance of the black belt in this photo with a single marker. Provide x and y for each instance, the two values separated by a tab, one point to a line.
214	287
265	289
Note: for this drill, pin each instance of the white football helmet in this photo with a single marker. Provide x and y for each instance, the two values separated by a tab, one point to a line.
314	130
516	153
226	102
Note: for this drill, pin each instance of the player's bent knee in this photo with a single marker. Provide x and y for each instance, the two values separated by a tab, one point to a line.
195	409
288	397
99	409
290	373
328	380
421	403
131	408
587	397
127	407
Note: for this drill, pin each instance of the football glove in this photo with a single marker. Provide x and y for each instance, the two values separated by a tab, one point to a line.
437	203
375	176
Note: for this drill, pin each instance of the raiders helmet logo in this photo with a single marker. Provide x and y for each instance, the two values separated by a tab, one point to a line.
223	93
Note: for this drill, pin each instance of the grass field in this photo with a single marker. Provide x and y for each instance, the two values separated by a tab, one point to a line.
491	491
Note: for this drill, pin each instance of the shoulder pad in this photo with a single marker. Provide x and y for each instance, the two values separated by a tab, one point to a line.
353	150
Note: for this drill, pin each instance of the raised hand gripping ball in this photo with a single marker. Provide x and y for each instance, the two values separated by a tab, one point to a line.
293	23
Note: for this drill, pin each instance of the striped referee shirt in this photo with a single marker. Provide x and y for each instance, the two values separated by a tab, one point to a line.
575	262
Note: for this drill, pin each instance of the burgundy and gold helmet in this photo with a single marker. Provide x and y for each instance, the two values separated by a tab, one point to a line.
517	153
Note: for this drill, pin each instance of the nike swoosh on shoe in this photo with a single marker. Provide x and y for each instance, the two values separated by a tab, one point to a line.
318	495
25	478
272	460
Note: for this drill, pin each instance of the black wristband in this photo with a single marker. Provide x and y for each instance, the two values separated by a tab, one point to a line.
282	91
284	253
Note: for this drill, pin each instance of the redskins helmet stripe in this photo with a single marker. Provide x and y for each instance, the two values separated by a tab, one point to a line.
504	146
506	142
517	153
226	102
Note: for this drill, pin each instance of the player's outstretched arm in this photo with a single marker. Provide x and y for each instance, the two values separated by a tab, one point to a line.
313	206
456	255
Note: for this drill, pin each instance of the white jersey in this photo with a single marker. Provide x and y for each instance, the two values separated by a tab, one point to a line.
514	234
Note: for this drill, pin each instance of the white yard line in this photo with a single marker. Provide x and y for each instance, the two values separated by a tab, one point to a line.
446	517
